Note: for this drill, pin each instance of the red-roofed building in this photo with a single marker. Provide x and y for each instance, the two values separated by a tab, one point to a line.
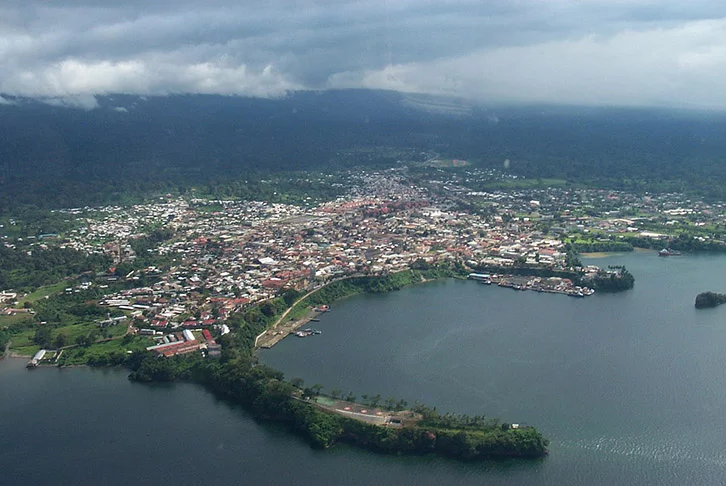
273	283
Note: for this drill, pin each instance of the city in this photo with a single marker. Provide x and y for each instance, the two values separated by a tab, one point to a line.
211	259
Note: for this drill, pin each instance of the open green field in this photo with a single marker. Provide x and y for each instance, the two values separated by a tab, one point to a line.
23	340
15	320
107	352
24	350
22	343
42	292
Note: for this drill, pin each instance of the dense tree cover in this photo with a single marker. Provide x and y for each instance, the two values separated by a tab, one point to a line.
227	146
603	281
261	390
66	308
25	268
32	221
264	393
65	158
4	338
143	244
283	187
683	242
64	319
144	247
709	299
617	281
380	284
527	270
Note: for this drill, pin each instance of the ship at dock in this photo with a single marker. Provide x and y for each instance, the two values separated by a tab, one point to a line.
552	285
307	332
482	278
666	252
33	363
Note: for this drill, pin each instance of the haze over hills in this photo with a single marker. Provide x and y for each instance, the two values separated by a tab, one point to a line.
59	156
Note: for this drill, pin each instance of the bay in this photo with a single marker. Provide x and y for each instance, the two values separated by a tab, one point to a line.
629	387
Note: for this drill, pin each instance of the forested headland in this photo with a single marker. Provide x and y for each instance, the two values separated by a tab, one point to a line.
61	157
266	395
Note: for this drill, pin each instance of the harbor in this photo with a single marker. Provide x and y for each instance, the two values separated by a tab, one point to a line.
277	333
551	285
308	332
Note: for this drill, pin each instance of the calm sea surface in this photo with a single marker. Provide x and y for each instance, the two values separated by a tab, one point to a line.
630	388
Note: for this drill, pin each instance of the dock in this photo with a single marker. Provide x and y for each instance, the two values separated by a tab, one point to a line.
274	335
36	359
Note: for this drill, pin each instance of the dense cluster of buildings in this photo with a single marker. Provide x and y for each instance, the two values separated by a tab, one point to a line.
227	254
242	253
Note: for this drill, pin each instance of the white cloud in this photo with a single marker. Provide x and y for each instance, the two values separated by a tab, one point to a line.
82	101
160	75
624	52
680	66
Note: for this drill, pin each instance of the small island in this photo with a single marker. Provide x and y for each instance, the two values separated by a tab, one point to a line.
704	300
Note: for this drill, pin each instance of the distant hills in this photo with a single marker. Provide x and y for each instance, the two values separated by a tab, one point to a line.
58	156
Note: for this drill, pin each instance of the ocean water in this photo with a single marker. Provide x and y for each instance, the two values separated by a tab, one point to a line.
630	389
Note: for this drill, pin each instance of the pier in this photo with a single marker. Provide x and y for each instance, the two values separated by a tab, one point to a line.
276	334
36	359
550	285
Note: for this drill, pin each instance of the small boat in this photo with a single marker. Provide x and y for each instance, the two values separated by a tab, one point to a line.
668	252
307	332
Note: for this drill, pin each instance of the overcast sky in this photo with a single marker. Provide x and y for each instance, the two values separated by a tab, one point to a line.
601	52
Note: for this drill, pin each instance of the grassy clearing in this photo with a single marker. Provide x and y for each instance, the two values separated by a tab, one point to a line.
14	321
301	310
25	350
23	340
96	353
42	292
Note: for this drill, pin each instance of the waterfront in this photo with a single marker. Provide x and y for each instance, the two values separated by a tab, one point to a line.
629	387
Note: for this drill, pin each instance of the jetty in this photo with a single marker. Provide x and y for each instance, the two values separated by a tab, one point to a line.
33	363
275	334
550	285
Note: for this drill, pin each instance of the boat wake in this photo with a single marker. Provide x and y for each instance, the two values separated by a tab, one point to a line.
670	450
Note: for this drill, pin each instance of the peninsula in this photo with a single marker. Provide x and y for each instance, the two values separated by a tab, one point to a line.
188	287
385	426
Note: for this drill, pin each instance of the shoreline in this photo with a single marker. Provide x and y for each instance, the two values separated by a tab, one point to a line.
605	254
280	330
270	337
354	427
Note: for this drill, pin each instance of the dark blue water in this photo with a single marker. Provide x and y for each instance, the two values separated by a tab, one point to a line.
629	387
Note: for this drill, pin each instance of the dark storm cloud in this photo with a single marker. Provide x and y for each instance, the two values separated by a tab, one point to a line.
587	51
